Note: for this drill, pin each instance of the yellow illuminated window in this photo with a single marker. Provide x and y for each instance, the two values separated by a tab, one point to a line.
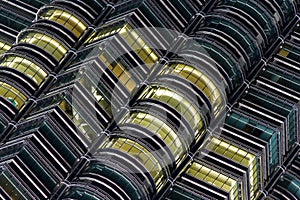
138	45
161	129
120	72
141	154
132	38
66	19
4	47
78	120
105	32
52	46
181	104
26	66
201	80
214	178
12	94
241	156
283	53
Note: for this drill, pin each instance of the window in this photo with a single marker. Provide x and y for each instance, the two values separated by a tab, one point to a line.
4	47
119	70
96	167
139	45
105	32
279	106
225	60
13	20
241	156
100	97
201	81
26	66
68	20
12	187
140	153
260	15
228	26
38	170
12	95
261	131
292	184
215	178
160	128
290	52
181	104
78	119
282	77
133	39
52	46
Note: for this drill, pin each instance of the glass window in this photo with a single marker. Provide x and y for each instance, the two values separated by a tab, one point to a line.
201	80
68	20
228	26
4	47
261	131
292	184
38	170
97	167
67	152
79	120
13	20
241	156
119	70
105	31
279	106
139	45
282	77
133	39
142	154
160	128
99	96
12	94
181	104
290	52
215	178
260	15
52	46
12	187
225	61
26	66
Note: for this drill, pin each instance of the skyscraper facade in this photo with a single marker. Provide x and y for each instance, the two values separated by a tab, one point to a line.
149	99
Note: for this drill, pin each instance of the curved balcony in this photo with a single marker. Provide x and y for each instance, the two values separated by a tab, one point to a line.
84	191
288	186
25	66
33	52
245	20
52	46
119	182
231	44
230	66
136	159
202	81
260	14
175	142
56	30
79	7
4	47
69	20
13	95
188	110
231	27
18	78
